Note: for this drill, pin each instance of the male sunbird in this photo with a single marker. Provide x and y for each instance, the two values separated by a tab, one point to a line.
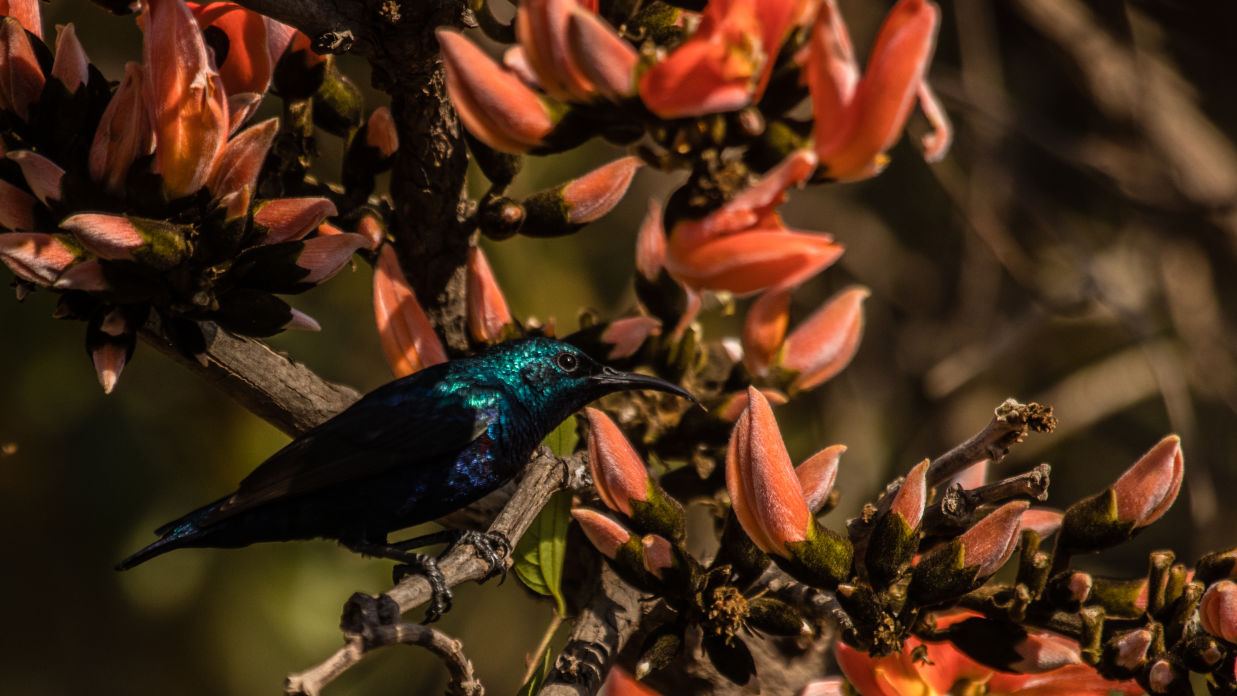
408	452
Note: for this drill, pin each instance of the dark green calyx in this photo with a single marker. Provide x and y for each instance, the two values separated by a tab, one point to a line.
660	648
822	560
1219	565
890	549
747	562
775	617
628	563
730	657
940	575
166	246
1091	524
660	514
988	641
1119	598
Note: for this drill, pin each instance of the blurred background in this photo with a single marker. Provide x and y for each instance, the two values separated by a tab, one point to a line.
1077	247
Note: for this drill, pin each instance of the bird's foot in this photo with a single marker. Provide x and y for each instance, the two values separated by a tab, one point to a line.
440	594
493	547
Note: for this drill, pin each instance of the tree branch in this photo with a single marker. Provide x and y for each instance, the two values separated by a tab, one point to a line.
335	26
278	389
448	649
609	619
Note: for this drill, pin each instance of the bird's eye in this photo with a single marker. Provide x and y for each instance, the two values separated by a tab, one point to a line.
567	361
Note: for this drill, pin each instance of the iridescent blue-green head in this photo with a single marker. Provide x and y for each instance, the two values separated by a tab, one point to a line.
555	379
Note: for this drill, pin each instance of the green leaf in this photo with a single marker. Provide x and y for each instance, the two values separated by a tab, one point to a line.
563	439
539	553
537	678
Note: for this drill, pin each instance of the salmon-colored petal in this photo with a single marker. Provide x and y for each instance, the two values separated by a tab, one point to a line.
247	65
70	65
241	160
618	472
21	78
494	104
627	334
992	540
185	95
764	329
601	55
34	256
824	343
651	243
597	192
26	12
606	534
487	308
289	219
1148	488
817	474
763	486
884	95
123	134
753	261
407	337
326	255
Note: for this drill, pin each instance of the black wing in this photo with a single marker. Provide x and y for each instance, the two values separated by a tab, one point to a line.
400	424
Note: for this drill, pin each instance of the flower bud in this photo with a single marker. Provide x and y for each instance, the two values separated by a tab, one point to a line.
1218	610
155	243
817	474
568	207
651	243
25	11
764	329
123	134
963	564
767	499
1129	650
895	535
825	342
488	316
493	104
658	554
1008	647
289	219
1139	497
110	339
601	54
239	163
21	78
380	132
35	257
628	334
70	65
408	338
43	176
623	550
16	208
624	484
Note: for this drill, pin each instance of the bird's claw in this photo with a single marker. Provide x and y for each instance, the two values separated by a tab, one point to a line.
493	547
440	594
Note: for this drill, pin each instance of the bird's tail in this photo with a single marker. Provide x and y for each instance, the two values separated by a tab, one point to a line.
173	535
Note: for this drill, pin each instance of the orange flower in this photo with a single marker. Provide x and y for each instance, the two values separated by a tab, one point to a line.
186	97
243	60
858	119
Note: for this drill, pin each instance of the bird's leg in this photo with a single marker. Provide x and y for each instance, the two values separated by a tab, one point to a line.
408	564
492	547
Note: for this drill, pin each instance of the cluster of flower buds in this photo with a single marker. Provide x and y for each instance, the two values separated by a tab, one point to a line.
646	548
904	571
157	195
714	91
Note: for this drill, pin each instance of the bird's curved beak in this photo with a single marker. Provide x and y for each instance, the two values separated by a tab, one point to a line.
633	380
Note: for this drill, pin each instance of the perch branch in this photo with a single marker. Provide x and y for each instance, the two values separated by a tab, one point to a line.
448	649
365	614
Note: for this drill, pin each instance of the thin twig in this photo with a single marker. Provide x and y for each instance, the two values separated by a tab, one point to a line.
957	506
358	645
